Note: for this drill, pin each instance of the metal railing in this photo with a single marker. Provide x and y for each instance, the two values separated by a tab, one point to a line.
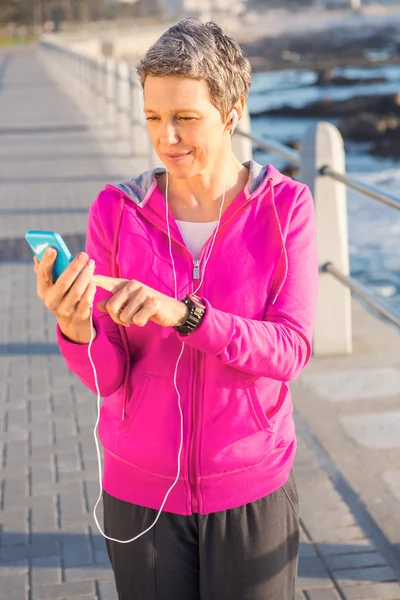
368	190
360	291
372	192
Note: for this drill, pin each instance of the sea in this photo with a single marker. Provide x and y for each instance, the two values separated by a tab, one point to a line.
373	228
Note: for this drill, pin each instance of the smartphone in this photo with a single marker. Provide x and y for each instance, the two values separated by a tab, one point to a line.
39	241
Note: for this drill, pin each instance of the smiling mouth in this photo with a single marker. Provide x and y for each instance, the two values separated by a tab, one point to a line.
182	155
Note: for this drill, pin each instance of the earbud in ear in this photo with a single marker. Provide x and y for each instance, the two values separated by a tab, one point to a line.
235	121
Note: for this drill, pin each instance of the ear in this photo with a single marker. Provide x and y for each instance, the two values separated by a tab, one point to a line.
239	108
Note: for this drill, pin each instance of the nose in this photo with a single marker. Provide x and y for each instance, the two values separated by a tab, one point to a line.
168	134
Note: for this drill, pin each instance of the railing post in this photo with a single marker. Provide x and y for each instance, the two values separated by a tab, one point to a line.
111	90
322	146
141	143
243	147
124	102
100	89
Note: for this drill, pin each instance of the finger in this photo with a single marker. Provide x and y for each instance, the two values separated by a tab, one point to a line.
115	314
86	302
36	263
136	300
68	277
125	294
111	284
145	314
69	304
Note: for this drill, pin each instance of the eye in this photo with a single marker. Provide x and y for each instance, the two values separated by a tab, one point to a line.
152	119
186	118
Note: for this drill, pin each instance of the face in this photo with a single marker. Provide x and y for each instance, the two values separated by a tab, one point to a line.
185	128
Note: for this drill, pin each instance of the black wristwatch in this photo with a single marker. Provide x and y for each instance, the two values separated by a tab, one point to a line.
196	313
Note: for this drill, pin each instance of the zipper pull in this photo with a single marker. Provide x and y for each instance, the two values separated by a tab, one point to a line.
196	269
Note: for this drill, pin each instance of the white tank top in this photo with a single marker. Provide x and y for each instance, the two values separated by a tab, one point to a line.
196	234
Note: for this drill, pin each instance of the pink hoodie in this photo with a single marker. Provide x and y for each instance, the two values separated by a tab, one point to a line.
260	288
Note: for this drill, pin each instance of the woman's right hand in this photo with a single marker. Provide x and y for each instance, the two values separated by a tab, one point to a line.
71	297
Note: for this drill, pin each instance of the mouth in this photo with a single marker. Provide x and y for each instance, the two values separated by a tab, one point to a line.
176	157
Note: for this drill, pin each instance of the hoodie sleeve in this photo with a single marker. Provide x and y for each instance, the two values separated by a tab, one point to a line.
107	348
278	347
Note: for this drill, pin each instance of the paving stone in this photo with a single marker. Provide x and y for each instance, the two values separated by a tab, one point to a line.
329	521
44	515
346	547
101	558
13	537
42	472
107	590
68	462
46	571
83	573
92	491
371	591
354	561
64	428
319	497
392	480
64	591
338	535
324	594
16	418
16	451
353	384
378	430
14	587
312	574
76	551
366	575
14	567
307	550
41	435
29	551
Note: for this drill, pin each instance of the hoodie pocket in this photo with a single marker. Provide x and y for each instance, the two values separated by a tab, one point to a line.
135	401
236	431
150	435
258	411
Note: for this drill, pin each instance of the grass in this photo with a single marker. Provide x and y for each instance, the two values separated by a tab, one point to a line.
7	42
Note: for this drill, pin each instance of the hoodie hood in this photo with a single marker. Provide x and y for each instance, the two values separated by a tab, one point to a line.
139	189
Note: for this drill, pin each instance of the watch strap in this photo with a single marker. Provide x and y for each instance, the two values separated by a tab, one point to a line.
195	316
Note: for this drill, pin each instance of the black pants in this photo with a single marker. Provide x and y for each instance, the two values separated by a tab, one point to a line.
246	553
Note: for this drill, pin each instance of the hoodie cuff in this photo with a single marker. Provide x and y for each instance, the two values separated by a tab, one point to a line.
214	332
78	353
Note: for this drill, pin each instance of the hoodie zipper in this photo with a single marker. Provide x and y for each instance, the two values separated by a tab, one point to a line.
193	444
197	358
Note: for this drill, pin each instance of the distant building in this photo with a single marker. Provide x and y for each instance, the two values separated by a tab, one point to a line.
353	4
201	8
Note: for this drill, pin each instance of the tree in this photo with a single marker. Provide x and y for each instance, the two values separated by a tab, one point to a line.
17	11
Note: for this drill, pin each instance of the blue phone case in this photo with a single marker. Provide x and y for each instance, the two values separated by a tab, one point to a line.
39	241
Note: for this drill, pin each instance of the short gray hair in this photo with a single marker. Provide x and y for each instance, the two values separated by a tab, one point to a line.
200	50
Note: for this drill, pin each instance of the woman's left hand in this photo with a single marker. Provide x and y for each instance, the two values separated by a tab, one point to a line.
135	303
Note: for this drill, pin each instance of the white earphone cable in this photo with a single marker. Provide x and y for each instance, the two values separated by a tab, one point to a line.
175	375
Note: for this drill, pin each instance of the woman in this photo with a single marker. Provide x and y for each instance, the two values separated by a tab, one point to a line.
197	414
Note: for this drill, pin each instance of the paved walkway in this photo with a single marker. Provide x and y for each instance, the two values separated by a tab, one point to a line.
51	167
